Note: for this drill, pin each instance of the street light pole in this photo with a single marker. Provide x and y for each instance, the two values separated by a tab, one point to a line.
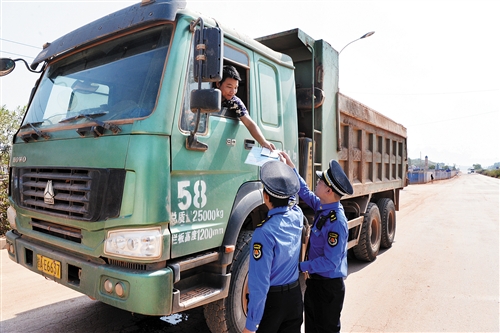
368	34
339	140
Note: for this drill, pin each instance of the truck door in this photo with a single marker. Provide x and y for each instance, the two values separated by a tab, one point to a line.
205	183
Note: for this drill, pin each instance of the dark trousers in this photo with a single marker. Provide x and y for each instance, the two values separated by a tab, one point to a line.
323	301
283	312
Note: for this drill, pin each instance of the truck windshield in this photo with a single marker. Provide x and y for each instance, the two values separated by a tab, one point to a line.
114	80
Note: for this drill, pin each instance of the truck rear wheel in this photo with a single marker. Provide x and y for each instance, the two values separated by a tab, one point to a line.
388	215
229	315
369	240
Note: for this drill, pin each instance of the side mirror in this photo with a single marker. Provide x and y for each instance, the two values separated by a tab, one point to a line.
210	42
202	101
207	68
6	66
206	100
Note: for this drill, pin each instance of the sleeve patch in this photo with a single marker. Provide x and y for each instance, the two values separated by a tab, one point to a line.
333	239
257	251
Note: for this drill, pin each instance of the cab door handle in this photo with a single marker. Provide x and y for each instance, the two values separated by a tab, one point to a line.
249	143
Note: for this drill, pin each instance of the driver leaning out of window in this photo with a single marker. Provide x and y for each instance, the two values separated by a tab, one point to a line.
229	87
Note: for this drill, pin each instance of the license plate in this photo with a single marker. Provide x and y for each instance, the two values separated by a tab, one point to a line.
49	266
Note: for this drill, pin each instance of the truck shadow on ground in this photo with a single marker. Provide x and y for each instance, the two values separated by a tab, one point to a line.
83	315
355	265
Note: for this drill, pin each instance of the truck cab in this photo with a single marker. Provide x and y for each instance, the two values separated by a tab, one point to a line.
108	194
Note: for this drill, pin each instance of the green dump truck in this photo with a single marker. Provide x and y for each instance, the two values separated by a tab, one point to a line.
128	184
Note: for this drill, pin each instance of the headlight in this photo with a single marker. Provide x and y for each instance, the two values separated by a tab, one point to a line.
11	217
135	243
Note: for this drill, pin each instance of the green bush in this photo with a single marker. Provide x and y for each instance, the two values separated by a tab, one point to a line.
4	203
9	123
492	173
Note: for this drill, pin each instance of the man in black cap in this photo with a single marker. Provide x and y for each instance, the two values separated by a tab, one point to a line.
326	262
275	299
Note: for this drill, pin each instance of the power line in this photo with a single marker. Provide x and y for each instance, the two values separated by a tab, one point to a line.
450	119
17	54
11	41
424	93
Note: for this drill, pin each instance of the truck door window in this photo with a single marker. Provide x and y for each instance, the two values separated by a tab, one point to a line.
236	55
118	79
268	94
232	56
240	61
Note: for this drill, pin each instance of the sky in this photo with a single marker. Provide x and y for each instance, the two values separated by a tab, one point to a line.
432	65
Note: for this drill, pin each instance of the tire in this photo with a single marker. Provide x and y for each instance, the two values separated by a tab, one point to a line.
229	315
371	234
388	216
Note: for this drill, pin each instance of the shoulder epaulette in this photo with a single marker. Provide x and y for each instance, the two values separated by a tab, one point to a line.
263	221
321	221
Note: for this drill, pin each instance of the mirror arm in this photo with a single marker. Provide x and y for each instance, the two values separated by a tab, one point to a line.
192	142
27	66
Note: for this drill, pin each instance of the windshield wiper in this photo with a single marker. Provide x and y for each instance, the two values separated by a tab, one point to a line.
36	135
37	123
83	115
101	124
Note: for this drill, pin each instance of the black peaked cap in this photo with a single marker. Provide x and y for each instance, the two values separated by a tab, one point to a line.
336	179
279	179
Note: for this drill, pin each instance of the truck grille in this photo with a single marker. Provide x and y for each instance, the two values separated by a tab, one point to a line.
128	265
80	194
137	266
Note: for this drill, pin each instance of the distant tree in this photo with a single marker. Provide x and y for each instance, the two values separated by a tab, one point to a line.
9	123
432	167
477	166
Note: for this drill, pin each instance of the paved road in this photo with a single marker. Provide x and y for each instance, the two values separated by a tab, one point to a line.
442	274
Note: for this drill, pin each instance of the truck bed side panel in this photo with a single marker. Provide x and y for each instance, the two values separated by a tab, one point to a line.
373	148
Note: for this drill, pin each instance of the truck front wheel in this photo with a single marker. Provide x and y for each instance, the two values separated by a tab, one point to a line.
229	315
369	240
388	215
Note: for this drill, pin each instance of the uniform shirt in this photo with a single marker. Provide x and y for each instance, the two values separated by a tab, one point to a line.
275	250
327	254
234	105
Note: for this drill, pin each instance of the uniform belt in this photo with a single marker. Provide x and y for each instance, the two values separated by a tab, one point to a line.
285	287
315	276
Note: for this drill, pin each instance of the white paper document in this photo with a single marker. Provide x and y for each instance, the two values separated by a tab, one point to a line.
259	156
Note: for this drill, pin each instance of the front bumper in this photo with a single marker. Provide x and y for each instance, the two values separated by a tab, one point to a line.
144	292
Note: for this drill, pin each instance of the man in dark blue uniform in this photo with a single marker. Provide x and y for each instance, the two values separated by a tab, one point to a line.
230	102
326	262
275	299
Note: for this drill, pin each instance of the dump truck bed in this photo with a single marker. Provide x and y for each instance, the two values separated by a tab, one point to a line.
369	146
372	148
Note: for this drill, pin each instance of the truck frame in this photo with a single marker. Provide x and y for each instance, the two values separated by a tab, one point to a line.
128	184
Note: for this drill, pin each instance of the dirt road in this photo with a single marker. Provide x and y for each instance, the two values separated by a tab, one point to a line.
441	275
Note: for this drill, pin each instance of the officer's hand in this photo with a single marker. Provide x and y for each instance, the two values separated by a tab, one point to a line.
288	161
247	331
